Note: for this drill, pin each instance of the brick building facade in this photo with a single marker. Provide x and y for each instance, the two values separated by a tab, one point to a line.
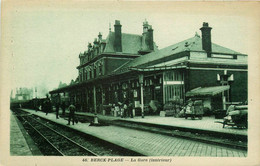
130	67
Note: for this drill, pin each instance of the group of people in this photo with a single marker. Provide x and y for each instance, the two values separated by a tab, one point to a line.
57	108
125	109
47	106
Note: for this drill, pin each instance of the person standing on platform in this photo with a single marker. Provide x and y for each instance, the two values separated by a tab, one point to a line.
63	107
35	105
72	110
45	106
57	109
125	108
48	106
130	110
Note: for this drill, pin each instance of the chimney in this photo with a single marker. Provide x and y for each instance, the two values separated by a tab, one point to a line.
95	42
206	37
145	26
118	37
89	46
144	36
147	38
99	36
150	38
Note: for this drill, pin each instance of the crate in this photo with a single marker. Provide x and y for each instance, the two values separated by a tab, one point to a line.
162	113
169	113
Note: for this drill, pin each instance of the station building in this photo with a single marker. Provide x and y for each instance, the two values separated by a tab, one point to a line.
131	67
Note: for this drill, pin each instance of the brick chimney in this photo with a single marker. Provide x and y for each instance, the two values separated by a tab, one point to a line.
150	38
99	36
147	37
89	46
145	26
95	41
118	37
206	38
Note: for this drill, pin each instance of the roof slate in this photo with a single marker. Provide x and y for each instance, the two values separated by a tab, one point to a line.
131	43
191	44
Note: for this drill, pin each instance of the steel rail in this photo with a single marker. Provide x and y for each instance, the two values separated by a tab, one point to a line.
44	137
70	140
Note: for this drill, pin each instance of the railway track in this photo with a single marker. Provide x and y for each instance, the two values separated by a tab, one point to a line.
60	144
57	140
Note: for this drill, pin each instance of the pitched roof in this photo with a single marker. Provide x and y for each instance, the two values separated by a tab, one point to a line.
131	43
196	45
191	44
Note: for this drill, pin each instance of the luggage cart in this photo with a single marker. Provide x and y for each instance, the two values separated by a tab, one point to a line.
194	110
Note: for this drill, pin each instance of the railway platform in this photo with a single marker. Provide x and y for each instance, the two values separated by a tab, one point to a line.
146	143
206	124
18	144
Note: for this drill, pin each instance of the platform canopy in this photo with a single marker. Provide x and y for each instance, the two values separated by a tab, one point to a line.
207	91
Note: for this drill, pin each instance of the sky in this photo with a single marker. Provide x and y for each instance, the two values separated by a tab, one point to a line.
45	40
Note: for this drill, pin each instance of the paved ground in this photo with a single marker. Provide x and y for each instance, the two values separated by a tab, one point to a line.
18	144
148	143
207	123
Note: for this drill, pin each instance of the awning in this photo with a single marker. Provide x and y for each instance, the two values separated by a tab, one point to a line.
207	91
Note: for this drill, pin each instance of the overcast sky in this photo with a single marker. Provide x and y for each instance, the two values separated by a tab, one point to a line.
45	41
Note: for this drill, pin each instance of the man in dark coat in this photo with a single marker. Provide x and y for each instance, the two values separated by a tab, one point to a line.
130	110
57	110
72	110
63	107
47	106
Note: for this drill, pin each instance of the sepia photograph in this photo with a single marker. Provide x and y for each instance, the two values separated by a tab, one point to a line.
156	83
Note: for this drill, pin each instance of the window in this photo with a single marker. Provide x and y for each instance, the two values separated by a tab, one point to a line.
100	69
173	85
95	72
83	74
90	74
124	86
98	50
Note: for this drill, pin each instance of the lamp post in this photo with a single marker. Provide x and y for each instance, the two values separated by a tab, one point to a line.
141	81
225	79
